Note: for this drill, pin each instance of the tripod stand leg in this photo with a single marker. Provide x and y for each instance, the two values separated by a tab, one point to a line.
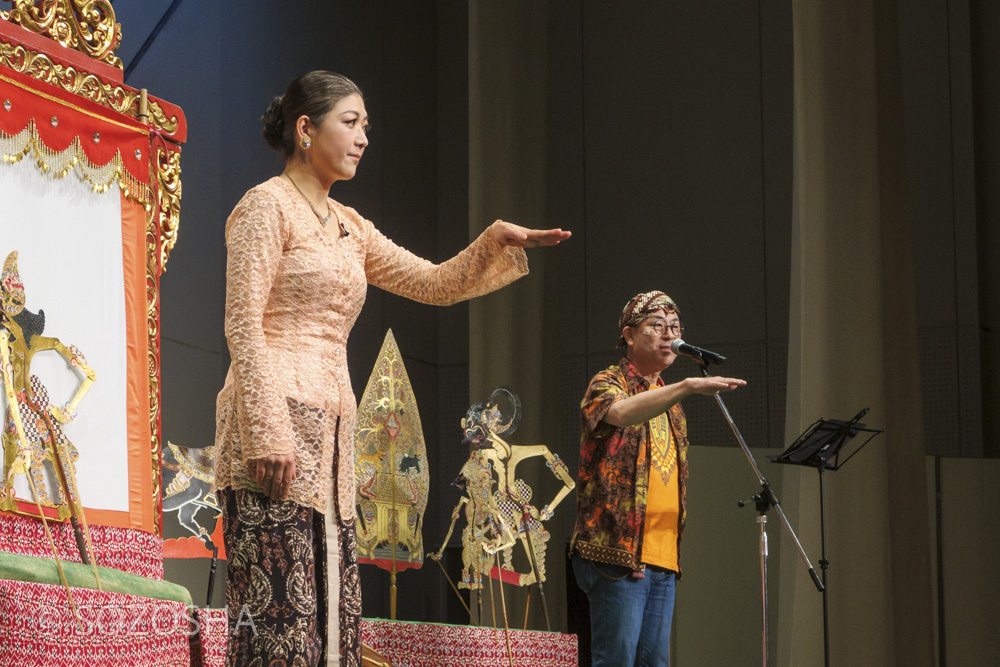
762	520
824	564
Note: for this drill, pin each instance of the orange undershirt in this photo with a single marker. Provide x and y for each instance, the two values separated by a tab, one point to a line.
659	546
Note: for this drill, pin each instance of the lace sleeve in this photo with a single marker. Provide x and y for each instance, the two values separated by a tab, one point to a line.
483	267
254	242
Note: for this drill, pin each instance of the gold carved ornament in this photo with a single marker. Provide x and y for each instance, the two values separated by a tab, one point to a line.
153	355
162	221
167	164
122	99
88	26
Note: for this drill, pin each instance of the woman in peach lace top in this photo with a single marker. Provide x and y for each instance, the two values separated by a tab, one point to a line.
298	267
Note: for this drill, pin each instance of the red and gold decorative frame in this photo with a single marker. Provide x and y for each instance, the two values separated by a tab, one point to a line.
59	54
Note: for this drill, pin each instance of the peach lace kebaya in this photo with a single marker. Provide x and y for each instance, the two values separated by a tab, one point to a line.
293	291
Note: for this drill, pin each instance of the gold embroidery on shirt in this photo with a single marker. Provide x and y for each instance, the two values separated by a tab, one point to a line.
664	457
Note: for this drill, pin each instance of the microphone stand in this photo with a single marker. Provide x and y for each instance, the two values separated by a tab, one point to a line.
764	501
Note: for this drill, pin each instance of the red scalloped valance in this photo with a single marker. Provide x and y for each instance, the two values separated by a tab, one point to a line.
60	119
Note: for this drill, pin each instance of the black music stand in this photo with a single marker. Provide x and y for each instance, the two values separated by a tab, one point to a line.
820	447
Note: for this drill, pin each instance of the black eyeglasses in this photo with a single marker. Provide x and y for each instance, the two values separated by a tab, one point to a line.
661	327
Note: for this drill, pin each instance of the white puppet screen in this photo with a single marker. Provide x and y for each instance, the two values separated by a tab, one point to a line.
69	244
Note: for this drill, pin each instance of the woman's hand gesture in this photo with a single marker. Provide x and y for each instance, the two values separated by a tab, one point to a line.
507	233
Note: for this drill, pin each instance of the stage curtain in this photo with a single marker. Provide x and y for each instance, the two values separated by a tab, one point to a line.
513	333
852	344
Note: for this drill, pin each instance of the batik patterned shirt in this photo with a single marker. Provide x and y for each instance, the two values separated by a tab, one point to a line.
613	482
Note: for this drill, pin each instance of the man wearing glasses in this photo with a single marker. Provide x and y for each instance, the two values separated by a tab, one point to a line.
631	489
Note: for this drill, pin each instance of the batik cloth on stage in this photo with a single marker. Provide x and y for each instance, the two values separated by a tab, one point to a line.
433	645
38	629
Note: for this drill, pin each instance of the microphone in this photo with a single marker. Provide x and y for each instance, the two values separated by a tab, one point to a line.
702	356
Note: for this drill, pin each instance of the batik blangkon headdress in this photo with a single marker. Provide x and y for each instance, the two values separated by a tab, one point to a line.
640	306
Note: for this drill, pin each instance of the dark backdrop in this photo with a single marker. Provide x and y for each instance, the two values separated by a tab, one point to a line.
668	152
223	62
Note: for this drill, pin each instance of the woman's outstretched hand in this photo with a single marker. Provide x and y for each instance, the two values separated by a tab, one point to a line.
507	233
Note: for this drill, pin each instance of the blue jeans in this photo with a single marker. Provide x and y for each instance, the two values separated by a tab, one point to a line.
629	618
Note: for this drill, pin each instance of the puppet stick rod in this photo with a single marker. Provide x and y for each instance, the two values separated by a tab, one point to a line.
479	603
527	603
77	515
90	545
55	552
533	559
81	541
392	590
493	607
460	598
393	516
503	605
393	528
211	575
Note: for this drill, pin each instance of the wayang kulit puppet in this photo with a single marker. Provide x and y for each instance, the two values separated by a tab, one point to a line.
187	479
391	469
33	434
497	504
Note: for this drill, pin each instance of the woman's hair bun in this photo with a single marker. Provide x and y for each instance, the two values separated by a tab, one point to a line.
274	124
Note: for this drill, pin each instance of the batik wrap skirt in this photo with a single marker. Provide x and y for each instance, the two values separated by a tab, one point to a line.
276	583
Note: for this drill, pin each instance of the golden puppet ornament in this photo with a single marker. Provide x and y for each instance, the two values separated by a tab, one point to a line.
42	421
390	468
33	432
498	508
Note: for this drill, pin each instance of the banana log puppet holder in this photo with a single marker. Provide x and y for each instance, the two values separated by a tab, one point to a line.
33	427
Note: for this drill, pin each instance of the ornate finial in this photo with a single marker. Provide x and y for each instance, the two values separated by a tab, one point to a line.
88	26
